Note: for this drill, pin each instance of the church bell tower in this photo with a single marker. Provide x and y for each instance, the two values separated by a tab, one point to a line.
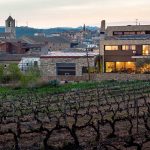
10	26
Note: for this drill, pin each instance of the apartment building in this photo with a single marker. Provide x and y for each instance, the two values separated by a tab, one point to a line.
122	46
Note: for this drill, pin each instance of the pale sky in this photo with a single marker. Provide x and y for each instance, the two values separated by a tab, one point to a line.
73	13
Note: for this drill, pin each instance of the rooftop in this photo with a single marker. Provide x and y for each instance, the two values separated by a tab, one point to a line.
14	57
129	37
69	54
41	39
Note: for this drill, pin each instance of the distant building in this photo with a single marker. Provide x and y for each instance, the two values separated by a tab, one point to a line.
29	62
11	46
122	46
54	43
10	26
10	29
39	34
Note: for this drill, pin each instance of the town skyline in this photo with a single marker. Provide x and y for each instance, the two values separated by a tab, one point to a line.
69	13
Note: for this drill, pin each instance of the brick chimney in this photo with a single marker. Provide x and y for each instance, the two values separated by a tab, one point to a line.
103	26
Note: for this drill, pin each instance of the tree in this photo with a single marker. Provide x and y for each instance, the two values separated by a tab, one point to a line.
14	72
1	72
143	65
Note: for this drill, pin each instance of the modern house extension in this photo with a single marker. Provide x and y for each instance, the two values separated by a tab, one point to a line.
123	46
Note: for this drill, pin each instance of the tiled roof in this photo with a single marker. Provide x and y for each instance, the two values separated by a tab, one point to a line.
41	39
14	57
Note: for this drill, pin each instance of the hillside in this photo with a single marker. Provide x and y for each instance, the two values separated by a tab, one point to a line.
20	31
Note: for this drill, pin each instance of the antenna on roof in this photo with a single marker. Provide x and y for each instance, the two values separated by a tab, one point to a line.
136	21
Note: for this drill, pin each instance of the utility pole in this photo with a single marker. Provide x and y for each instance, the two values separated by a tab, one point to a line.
87	56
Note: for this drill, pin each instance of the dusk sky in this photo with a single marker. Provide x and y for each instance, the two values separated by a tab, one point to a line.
72	13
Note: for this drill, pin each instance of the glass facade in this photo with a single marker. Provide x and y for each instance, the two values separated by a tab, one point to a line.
120	67
146	49
110	66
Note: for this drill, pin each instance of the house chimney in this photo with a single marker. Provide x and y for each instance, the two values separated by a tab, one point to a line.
103	24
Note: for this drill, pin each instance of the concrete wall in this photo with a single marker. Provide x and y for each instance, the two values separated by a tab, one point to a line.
110	29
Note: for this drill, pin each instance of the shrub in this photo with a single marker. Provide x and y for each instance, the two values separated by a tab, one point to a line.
6	79
1	72
14	72
30	77
54	83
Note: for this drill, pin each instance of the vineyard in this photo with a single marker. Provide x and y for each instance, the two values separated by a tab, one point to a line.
108	116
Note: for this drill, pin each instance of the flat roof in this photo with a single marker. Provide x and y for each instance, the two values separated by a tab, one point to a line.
68	54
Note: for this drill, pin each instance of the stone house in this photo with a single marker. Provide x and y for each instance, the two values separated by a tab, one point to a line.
66	63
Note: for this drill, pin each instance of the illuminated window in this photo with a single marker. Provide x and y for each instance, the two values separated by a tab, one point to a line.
146	49
128	47
129	33
118	33
120	66
130	66
140	32
111	48
110	66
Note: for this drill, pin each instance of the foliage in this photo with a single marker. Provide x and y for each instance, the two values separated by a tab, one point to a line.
14	72
1	72
54	83
30	77
112	115
143	65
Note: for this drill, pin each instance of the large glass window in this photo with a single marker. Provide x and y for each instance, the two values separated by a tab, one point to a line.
107	47
120	67
130	66
110	66
128	47
146	49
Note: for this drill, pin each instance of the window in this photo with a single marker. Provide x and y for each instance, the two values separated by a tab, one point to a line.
66	68
120	67
9	24
35	63
146	49
128	47
111	47
129	33
117	33
110	67
140	32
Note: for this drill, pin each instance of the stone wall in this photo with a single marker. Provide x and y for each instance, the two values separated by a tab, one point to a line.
101	77
48	65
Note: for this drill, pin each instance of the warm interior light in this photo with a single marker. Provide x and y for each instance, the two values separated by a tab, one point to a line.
146	52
